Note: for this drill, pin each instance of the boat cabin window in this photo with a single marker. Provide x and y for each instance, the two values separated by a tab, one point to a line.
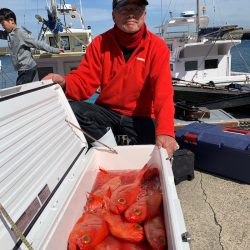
52	42
78	42
211	64
65	42
191	65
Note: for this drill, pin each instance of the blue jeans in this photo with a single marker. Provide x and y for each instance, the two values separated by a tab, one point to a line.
27	76
95	119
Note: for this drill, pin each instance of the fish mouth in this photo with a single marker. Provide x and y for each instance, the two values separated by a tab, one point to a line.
117	210
133	219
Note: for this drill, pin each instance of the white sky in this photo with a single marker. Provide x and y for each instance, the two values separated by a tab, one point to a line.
97	13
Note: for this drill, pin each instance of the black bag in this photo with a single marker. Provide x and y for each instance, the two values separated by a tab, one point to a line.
183	165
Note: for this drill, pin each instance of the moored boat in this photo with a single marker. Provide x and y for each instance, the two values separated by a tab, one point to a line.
201	61
74	40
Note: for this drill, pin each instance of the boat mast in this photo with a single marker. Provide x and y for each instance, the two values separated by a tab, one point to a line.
53	7
161	32
197	18
81	17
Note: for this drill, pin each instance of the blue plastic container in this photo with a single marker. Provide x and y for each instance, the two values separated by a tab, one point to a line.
218	149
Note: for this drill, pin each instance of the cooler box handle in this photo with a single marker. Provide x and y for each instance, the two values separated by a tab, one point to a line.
190	138
237	131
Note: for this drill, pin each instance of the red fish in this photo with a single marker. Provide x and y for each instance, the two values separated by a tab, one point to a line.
112	184
110	243
103	176
95	199
125	195
94	202
145	208
135	246
120	228
155	232
89	231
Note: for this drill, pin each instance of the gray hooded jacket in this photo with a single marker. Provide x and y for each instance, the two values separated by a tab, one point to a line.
20	42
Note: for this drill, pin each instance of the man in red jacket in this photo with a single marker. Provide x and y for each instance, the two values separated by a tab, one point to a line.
131	66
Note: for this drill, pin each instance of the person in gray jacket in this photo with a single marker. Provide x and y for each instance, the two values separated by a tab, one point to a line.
20	43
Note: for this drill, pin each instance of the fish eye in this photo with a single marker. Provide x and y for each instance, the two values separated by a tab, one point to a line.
86	239
137	211
122	201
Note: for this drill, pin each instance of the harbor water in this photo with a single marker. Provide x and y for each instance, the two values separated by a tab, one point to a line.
241	57
8	74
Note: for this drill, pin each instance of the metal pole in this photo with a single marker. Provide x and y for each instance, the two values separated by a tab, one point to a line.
81	17
198	18
161	14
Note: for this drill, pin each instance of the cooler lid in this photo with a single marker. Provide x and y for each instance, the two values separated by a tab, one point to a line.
37	147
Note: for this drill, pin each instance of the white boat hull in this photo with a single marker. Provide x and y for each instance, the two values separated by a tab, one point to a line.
57	63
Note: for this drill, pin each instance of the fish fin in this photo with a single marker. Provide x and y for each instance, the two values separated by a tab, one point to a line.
106	199
141	173
108	193
152	172
103	171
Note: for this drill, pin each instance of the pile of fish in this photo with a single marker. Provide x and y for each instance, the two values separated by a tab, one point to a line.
123	211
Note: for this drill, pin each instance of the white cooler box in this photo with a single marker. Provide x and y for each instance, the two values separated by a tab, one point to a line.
46	170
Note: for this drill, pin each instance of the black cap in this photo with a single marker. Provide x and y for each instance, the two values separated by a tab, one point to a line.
119	3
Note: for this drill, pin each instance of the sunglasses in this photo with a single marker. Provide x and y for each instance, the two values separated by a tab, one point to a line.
130	10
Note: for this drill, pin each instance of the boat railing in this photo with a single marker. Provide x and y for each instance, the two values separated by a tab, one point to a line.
179	34
238	73
180	37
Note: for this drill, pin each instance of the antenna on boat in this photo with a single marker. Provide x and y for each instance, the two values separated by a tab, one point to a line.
161	29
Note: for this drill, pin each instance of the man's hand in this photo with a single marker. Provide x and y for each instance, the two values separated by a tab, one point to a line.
167	142
56	78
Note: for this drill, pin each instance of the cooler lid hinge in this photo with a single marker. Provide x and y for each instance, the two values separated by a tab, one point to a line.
186	237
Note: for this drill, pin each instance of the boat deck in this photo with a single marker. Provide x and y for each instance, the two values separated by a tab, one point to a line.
216	212
217	117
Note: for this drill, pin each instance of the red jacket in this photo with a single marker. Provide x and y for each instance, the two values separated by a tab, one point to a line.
142	86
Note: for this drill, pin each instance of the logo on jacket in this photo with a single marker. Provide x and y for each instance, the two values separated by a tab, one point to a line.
140	59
